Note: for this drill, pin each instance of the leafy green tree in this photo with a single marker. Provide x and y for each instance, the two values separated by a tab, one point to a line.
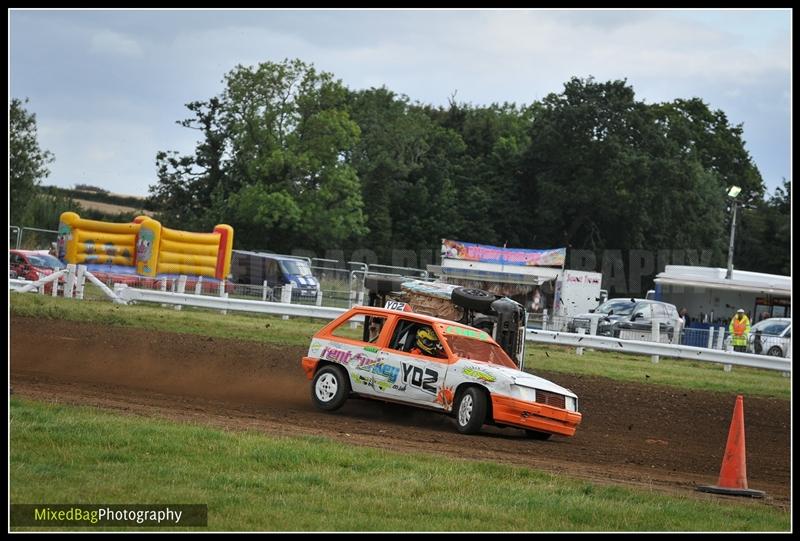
27	161
293	159
407	164
273	161
763	236
187	185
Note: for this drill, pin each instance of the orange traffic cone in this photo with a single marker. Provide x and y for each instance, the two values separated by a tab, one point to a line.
733	474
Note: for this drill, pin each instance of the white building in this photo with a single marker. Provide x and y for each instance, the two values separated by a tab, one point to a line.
711	298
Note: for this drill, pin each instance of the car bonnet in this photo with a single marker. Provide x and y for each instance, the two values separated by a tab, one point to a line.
525	379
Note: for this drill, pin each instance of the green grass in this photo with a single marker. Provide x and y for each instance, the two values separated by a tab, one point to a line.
298	332
681	373
240	326
68	454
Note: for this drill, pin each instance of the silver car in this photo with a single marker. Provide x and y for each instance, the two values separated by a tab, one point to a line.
625	317
771	337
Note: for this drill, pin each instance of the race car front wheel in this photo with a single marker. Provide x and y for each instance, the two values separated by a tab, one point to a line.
471	411
330	387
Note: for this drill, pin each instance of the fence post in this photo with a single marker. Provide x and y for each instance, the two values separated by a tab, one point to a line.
81	281
579	349
164	288
198	287
181	288
264	292
721	345
69	281
223	294
286	296
710	338
319	297
655	331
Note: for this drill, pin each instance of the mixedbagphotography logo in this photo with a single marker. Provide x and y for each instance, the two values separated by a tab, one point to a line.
93	515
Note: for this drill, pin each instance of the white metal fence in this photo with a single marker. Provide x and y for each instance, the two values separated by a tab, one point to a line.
708	336
657	349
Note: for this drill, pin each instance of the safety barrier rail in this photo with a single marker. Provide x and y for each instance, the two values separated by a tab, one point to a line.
130	294
658	349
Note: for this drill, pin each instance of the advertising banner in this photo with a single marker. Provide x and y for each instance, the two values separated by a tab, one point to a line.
467	251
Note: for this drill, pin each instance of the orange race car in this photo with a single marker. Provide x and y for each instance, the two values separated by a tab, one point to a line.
433	363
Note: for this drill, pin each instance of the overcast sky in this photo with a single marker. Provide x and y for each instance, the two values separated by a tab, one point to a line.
108	86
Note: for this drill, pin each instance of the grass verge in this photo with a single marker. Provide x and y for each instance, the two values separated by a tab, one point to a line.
681	373
69	454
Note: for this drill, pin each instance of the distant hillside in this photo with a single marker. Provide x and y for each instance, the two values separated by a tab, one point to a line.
105	201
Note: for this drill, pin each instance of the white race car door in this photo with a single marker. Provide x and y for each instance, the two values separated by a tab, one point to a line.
419	375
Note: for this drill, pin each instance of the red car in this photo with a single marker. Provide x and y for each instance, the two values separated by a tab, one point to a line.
34	265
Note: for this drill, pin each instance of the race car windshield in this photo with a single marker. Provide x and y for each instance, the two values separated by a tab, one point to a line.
478	350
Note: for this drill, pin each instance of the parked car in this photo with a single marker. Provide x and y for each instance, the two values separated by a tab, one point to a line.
33	265
468	375
771	337
618	315
255	268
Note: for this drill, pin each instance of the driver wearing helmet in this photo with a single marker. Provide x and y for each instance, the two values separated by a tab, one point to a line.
427	343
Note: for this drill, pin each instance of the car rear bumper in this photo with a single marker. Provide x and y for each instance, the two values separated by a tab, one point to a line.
510	411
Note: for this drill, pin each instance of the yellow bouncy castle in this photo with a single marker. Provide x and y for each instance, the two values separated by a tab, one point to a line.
144	247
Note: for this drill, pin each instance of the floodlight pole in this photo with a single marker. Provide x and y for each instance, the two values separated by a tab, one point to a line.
729	275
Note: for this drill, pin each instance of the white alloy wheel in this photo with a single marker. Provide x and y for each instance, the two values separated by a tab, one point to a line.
465	410
326	387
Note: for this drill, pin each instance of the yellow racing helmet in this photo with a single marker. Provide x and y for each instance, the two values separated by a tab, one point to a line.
428	342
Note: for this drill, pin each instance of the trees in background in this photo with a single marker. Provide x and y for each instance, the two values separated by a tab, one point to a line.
27	161
293	159
764	237
273	162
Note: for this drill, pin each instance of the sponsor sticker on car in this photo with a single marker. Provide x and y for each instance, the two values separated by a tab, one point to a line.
397	305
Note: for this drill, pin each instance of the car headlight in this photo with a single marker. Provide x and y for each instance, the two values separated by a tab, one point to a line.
570	404
523	393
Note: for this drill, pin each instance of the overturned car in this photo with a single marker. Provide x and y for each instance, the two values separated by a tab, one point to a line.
500	317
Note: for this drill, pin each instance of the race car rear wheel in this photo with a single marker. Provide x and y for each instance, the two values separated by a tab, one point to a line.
471	411
473	299
330	387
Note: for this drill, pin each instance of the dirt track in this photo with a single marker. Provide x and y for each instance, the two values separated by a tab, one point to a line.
634	434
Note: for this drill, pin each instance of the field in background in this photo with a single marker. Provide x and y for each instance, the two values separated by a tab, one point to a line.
110	208
298	332
252	482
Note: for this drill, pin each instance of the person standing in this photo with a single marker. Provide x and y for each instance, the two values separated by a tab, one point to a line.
740	330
